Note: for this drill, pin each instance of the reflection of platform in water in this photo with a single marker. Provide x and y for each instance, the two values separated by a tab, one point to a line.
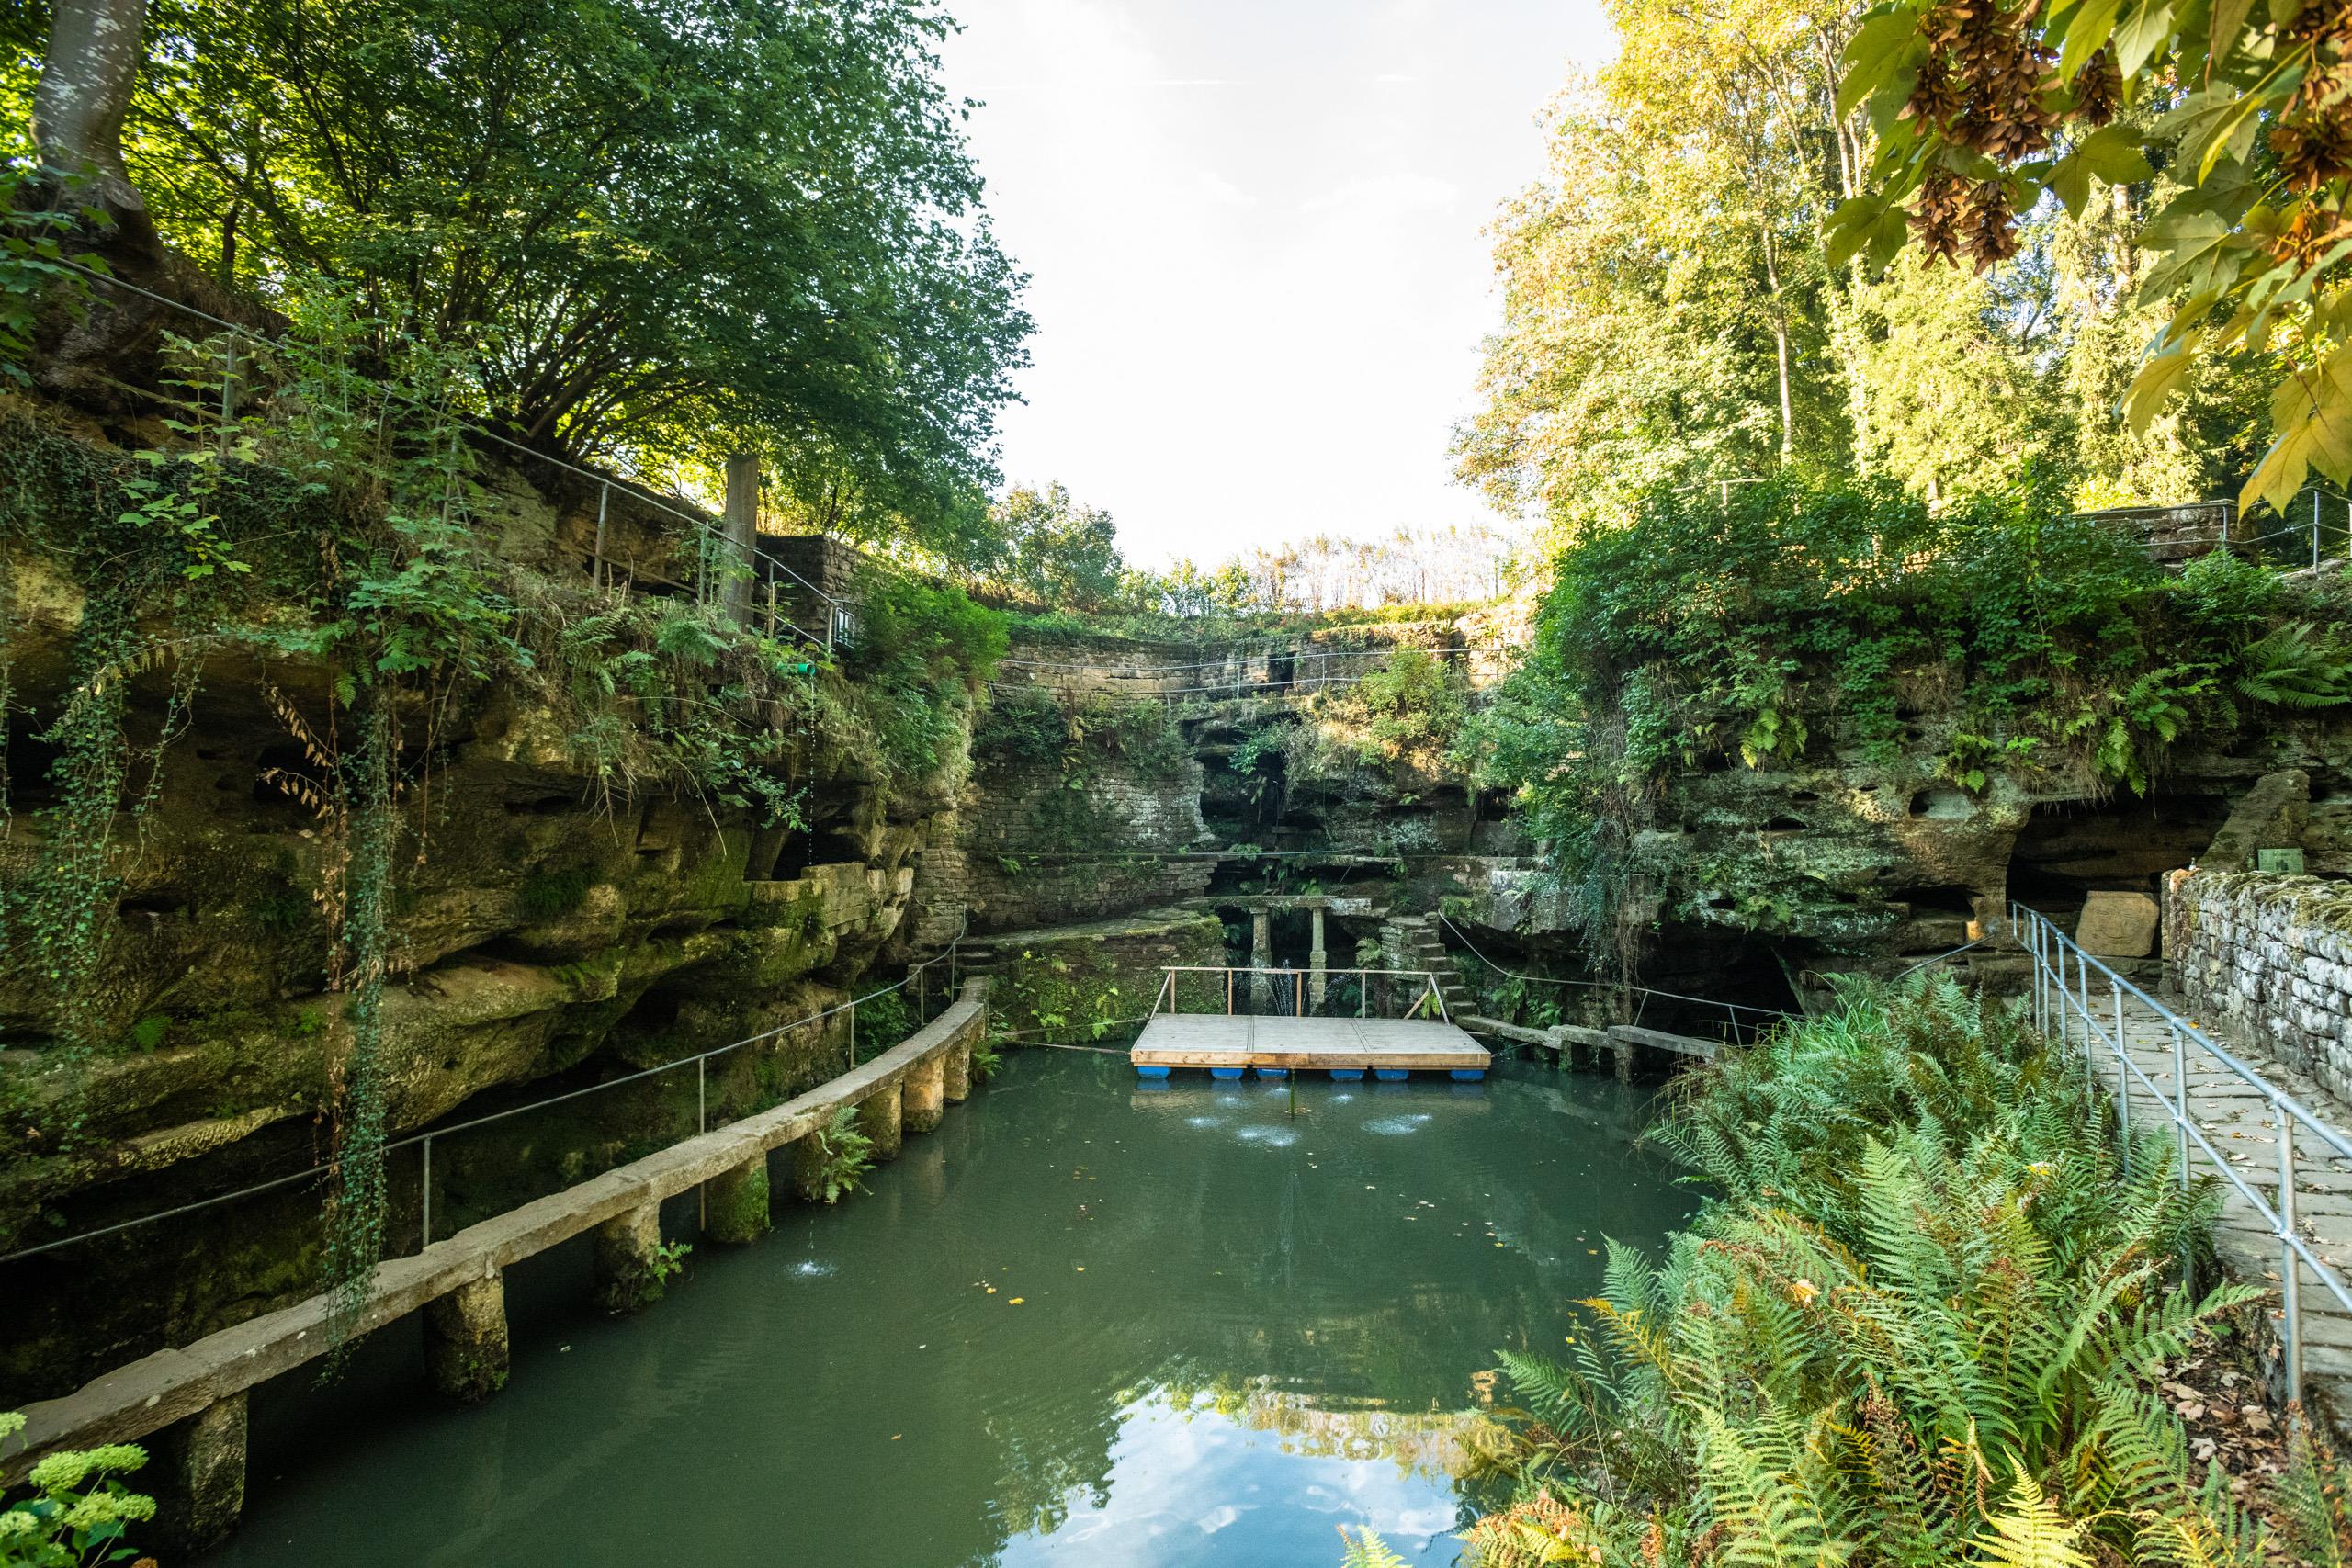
1227	1044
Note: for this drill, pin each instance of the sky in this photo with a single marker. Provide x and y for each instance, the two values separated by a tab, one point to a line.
1255	236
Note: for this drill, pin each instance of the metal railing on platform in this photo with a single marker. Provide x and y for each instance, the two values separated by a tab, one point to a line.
1302	993
2070	991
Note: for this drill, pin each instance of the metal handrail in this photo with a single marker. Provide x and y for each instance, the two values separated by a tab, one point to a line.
2059	999
1433	991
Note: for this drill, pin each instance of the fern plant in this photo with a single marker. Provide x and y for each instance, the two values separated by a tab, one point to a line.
1920	1323
2295	667
842	1155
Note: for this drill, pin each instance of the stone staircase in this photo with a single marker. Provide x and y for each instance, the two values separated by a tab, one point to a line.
1415	941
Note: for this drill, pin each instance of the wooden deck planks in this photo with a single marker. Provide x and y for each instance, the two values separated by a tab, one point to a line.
1214	1040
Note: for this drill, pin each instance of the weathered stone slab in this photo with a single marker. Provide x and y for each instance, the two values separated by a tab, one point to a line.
2117	925
1660	1039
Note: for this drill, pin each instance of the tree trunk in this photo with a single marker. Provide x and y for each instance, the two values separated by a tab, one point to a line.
94	56
1781	350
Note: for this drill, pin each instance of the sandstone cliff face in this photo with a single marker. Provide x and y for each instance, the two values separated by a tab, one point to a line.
1848	862
548	931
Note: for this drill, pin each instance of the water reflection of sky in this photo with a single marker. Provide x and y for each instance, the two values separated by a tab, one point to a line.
1267	1478
1084	1322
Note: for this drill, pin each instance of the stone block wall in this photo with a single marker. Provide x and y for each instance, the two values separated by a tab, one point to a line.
1031	851
2268	958
1096	973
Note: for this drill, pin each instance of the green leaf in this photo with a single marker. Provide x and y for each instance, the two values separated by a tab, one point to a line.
1882	45
2159	377
2093	22
2143	32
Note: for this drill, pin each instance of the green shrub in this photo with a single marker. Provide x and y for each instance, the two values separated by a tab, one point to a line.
883	1022
843	1154
920	655
74	1511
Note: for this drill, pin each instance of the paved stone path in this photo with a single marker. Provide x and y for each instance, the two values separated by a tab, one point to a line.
2239	1122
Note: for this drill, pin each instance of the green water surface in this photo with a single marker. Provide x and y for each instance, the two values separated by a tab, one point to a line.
1085	1322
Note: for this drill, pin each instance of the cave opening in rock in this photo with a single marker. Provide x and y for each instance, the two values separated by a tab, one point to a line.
2123	845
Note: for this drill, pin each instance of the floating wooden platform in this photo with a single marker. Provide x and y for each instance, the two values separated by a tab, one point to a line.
1346	1046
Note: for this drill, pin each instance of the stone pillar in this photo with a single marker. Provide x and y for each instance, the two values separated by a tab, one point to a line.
1316	960
735	1201
924	1102
808	1159
625	1271
1624	1061
464	1339
878	1117
195	1471
955	1072
1261	957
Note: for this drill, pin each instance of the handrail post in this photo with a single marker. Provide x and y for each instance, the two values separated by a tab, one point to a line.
2180	1096
2290	1291
427	1203
702	1095
2122	1076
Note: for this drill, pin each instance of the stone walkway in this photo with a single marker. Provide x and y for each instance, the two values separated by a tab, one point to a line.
2239	1122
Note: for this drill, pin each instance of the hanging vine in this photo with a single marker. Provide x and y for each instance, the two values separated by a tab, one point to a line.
369	824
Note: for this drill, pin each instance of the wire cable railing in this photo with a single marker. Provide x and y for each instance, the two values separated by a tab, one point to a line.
2067	1006
918	975
2288	544
1733	1011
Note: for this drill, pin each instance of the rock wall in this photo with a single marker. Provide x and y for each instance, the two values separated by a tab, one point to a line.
553	924
1084	801
2267	957
1061	983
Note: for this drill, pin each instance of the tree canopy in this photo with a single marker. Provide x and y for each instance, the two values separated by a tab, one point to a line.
2230	122
1680	308
664	229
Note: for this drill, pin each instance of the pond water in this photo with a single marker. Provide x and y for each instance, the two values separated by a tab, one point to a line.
1085	1322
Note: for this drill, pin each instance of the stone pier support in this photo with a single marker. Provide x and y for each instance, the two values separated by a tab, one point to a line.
626	1249
465	1340
807	1167
1316	960
924	1100
879	1118
955	1072
1261	957
735	1203
195	1471
1624	1049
